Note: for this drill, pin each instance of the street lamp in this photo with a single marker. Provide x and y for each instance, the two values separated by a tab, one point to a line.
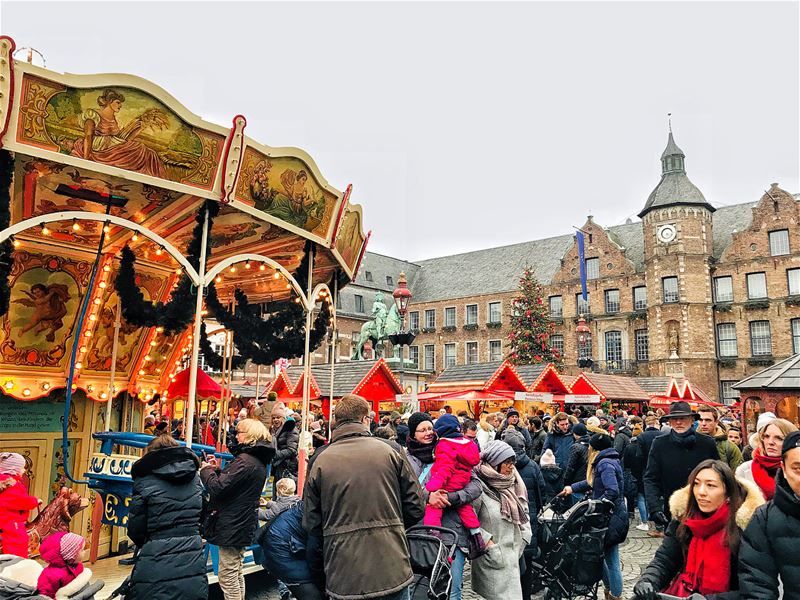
402	297
584	342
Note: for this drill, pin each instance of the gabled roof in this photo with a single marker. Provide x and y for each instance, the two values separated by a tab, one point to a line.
784	375
613	387
496	375
313	392
281	385
660	386
347	376
549	380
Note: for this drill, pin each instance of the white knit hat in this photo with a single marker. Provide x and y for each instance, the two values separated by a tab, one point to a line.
11	463
764	419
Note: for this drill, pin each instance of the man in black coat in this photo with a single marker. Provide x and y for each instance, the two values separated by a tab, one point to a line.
672	457
234	493
770	542
578	455
286	438
164	521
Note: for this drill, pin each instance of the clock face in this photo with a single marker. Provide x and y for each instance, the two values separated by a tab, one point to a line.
666	233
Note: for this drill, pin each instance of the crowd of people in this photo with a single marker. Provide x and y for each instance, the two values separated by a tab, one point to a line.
729	525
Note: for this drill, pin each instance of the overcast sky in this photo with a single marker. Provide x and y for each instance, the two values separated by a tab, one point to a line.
466	126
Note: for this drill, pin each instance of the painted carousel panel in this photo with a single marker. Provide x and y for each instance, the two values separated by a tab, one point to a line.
286	189
118	126
350	237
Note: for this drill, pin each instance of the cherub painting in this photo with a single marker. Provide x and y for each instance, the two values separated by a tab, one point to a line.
49	308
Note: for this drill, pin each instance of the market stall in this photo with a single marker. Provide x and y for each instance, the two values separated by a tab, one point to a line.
775	389
594	389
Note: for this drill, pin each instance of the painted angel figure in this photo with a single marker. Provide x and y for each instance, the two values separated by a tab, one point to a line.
295	186
49	304
106	142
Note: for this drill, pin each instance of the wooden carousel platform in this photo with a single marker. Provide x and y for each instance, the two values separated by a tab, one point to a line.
113	573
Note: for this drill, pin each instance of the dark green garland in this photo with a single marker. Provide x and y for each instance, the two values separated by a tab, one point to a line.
212	359
6	247
176	314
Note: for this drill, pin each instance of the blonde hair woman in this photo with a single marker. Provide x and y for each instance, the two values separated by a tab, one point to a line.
766	456
486	430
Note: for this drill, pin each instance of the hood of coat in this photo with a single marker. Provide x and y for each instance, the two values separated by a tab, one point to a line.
260	450
785	498
7	481
720	435
607	453
172	464
550	472
50	549
287	427
679	502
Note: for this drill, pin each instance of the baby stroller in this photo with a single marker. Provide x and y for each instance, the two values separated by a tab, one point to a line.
18	578
431	550
570	564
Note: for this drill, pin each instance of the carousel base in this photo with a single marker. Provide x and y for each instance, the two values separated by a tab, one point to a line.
113	574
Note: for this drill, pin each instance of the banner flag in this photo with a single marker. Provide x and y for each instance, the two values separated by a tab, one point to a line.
582	261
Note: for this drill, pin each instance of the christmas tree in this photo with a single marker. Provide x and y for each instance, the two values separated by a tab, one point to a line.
531	325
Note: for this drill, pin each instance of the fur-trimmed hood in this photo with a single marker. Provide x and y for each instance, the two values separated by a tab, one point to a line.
679	502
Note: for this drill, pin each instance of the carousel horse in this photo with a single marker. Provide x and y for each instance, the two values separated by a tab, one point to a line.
54	517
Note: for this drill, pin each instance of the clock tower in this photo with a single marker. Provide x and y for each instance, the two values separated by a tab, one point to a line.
678	243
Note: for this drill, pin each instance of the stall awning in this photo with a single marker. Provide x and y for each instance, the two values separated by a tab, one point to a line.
468	395
206	387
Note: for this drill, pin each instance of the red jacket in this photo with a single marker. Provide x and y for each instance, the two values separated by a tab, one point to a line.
57	573
452	467
15	503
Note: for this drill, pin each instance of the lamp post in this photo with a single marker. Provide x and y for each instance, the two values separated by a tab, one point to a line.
584	340
402	297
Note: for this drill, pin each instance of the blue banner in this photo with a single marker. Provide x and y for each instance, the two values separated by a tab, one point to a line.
582	263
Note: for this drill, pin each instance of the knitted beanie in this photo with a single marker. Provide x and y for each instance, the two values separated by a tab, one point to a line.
71	547
496	452
548	458
279	409
415	420
11	463
447	426
764	419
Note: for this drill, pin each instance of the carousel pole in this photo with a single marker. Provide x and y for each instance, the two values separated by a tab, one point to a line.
333	354
114	348
198	320
223	408
302	452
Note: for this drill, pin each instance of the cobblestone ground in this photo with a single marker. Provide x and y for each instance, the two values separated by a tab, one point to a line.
635	553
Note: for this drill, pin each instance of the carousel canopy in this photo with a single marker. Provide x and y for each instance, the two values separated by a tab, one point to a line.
119	153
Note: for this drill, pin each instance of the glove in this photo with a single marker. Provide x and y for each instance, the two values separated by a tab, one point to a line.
644	590
659	518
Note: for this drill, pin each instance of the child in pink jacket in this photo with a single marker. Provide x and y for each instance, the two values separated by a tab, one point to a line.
454	458
62	551
15	505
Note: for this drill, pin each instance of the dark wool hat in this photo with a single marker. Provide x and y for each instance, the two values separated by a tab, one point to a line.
579	429
680	409
512	412
447	426
414	421
600	441
792	441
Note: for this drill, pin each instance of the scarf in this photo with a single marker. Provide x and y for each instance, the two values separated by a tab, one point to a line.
708	561
687	438
509	490
764	469
422	452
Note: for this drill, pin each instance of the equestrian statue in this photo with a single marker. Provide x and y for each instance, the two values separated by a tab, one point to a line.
384	323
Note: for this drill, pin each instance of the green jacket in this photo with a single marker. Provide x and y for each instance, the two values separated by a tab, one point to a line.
728	452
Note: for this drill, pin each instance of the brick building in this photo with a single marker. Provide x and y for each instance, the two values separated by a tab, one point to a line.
711	293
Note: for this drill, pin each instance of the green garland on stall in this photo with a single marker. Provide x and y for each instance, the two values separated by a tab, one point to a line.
212	359
176	314
6	247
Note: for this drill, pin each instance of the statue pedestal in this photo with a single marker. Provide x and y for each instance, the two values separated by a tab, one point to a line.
673	367
394	363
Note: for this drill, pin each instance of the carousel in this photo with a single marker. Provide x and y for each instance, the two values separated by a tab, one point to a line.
125	222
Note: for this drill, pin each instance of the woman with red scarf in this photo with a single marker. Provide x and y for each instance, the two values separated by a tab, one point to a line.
766	456
699	553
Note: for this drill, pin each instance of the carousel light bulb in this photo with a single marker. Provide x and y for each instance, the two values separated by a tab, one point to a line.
107	268
147	358
78	365
92	317
45	230
178	271
17	243
288	286
233	269
97	300
204	312
106	228
9	385
262	267
83	349
26	392
218	279
103	395
247	265
277	275
75	225
135	237
141	371
153	343
159	251
102	285
88	334
45	386
159	329
297	300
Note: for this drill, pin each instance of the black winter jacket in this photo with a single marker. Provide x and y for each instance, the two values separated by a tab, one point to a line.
537	441
670	558
553	482
233	496
669	464
770	548
646	440
285	443
607	484
164	521
578	461
622	439
633	461
534	482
